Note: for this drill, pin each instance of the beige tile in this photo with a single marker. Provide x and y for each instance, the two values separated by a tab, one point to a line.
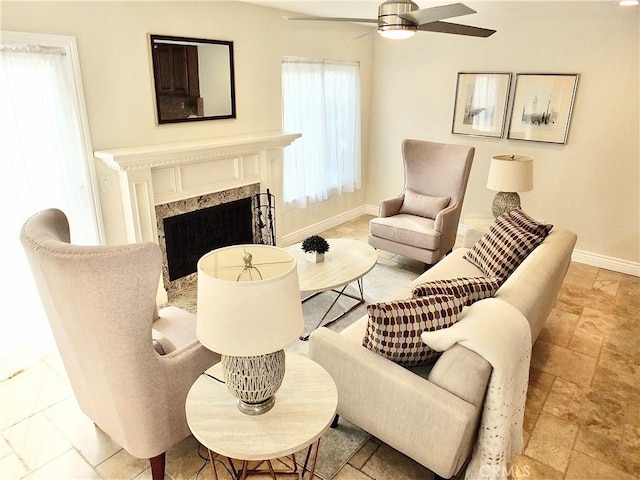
551	441
609	287
30	392
5	448
68	465
630	450
583	467
387	463
581	275
624	367
122	466
361	456
12	467
600	322
529	424
607	381
350	473
92	443
541	380
558	329
535	399
602	445
344	230
53	360
604	274
183	460
570	299
586	340
561	362
36	441
583	405
522	467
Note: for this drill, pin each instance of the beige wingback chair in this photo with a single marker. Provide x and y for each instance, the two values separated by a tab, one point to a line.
100	302
422	222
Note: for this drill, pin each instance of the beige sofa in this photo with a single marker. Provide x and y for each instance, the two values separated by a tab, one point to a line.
432	414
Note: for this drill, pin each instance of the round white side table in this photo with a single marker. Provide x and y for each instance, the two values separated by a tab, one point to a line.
304	409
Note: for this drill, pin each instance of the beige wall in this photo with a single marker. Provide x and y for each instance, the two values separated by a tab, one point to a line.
116	70
590	185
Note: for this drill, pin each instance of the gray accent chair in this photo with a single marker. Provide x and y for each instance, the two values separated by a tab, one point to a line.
422	222
130	365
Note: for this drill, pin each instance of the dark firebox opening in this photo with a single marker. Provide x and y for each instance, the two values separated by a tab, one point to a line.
190	235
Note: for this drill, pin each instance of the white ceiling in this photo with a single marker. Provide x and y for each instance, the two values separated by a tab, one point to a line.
368	8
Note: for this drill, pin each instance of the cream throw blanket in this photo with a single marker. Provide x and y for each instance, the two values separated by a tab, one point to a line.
499	333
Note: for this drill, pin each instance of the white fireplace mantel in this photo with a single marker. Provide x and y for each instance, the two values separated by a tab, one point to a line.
178	153
153	175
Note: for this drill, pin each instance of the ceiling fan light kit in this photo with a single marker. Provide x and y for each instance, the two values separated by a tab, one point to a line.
391	24
398	19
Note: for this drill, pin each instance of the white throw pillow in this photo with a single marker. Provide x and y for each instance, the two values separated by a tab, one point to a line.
423	205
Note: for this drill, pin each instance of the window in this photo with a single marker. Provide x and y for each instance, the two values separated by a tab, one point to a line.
321	100
46	159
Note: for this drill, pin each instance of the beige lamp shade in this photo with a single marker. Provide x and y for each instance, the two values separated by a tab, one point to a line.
248	307
510	173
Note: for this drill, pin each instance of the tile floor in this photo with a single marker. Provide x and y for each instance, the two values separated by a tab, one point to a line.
582	419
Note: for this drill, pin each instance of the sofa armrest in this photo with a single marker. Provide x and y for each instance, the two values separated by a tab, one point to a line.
391	206
408	412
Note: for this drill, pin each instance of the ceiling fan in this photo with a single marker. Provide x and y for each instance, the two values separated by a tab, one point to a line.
403	18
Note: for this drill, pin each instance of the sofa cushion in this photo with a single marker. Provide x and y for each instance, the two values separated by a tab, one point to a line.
407	229
499	252
469	289
423	205
394	328
531	225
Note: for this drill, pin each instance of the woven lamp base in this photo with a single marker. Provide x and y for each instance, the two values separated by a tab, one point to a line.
505	202
254	380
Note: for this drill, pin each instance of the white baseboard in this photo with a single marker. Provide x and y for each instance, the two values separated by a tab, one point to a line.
594	259
608	263
580	256
316	228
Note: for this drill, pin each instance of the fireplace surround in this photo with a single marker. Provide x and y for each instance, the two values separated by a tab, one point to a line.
189	228
152	175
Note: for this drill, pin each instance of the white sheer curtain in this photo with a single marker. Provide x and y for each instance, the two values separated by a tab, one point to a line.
43	164
321	100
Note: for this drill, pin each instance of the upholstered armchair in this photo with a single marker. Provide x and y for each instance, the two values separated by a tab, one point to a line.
130	365
422	222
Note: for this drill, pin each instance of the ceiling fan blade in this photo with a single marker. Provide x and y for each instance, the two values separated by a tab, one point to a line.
433	14
456	29
334	19
373	30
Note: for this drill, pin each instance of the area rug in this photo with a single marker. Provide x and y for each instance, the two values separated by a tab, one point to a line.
339	444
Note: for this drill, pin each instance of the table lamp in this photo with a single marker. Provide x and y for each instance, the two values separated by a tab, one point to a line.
508	175
249	309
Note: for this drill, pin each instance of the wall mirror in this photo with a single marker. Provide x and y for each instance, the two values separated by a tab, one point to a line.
193	79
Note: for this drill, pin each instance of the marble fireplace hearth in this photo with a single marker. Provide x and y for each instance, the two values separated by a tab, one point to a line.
194	204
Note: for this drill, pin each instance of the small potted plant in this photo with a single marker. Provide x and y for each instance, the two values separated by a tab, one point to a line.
315	247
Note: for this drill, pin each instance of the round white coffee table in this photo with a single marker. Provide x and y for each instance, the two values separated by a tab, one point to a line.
304	409
347	261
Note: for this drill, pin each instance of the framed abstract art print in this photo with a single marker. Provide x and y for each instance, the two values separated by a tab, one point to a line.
481	104
542	107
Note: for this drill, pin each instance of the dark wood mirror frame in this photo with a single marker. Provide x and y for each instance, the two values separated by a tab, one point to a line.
193	79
